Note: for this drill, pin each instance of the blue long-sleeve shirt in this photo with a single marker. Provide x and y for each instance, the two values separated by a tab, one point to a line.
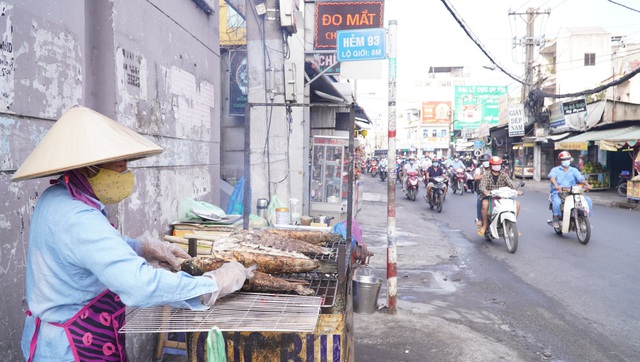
73	255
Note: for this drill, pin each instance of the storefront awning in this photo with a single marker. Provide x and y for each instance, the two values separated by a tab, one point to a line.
612	139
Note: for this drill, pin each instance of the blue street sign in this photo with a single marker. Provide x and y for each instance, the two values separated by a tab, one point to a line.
361	44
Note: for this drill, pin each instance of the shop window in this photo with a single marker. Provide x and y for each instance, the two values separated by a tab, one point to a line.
589	59
443	133
434	133
425	133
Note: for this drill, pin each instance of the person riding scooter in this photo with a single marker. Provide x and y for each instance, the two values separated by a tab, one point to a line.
434	171
492	181
564	176
484	168
408	167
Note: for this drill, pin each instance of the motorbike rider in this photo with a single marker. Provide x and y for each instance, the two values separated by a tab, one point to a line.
493	180
564	176
433	171
484	168
457	163
411	166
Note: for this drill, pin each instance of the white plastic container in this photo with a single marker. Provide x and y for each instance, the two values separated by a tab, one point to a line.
282	216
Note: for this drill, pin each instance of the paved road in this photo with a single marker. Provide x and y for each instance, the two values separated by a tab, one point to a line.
461	298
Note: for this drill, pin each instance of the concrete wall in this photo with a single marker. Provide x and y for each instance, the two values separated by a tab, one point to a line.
151	65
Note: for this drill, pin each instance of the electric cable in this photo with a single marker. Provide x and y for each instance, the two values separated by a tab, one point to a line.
624	6
461	23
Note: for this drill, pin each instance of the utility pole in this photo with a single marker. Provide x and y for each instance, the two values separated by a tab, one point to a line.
392	254
529	41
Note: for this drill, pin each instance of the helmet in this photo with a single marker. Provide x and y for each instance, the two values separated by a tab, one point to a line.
412	158
485	157
435	159
495	160
564	155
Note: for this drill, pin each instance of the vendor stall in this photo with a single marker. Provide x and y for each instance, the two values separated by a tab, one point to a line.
308	317
523	160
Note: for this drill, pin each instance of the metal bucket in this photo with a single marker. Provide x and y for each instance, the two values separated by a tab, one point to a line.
365	293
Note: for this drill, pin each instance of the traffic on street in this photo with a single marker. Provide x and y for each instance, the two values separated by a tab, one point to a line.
554	299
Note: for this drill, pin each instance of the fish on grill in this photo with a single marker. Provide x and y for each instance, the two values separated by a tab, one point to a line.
272	264
310	237
260	282
276	241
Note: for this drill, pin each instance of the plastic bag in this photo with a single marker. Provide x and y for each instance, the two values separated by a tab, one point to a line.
236	202
271	209
356	231
187	207
216	348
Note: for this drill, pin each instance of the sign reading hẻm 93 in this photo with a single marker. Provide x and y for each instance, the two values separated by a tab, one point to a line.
343	15
476	104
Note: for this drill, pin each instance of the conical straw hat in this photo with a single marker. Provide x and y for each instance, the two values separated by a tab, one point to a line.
83	137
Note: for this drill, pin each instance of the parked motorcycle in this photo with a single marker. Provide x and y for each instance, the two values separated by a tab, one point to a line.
575	214
383	172
436	199
502	220
411	188
622	183
457	181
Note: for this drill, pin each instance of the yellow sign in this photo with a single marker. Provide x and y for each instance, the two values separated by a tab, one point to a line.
581	146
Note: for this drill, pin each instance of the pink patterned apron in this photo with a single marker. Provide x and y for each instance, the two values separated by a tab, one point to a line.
93	331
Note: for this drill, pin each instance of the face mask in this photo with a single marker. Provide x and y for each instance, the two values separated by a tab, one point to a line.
111	187
495	168
411	162
435	164
566	163
455	160
485	164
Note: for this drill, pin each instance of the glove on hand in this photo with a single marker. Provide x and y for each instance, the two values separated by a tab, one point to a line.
229	278
156	251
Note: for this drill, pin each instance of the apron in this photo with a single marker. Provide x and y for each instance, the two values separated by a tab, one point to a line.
93	331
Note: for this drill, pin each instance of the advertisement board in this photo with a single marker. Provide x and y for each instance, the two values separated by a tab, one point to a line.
343	15
436	112
476	104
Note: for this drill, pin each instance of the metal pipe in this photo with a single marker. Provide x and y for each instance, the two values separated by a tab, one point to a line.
392	255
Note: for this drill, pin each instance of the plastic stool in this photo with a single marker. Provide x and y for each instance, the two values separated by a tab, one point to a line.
171	343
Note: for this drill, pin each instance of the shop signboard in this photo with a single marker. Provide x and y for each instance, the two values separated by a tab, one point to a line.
476	105
516	120
344	15
322	61
575	106
436	112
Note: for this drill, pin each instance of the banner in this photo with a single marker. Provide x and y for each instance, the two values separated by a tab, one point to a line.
343	15
477	104
238	82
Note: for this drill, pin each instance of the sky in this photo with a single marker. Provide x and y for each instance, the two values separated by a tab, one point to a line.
429	36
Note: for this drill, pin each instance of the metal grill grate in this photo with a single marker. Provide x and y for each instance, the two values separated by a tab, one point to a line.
325	285
236	312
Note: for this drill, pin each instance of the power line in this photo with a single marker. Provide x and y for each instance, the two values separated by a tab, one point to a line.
467	31
537	94
624	6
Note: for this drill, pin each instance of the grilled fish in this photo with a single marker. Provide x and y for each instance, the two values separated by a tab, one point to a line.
310	237
276	241
260	282
271	264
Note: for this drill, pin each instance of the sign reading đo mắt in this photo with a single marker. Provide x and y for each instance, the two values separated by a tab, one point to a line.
344	15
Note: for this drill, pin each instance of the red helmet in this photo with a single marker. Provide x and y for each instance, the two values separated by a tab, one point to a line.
564	155
495	160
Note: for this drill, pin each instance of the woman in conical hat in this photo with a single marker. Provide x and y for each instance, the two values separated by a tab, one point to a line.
81	272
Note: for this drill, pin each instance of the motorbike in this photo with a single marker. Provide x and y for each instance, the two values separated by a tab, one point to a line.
575	214
502	220
436	199
411	188
622	183
373	170
383	172
469	182
457	181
